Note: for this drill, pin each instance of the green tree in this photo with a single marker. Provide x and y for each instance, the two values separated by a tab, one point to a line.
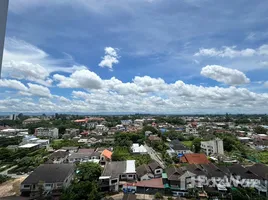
158	195
197	145
88	171
260	130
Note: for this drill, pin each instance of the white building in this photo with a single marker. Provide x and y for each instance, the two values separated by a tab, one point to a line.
136	148
213	147
138	122
47	132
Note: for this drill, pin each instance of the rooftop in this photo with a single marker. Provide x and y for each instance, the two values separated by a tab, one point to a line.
49	173
29	145
153	183
195	158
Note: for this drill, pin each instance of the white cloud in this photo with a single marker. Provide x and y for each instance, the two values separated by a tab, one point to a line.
110	58
264	63
27	71
23	60
230	52
263	50
79	79
14	84
39	90
265	84
225	75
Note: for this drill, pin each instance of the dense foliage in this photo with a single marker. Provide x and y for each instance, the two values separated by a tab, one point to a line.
3	178
85	185
4	142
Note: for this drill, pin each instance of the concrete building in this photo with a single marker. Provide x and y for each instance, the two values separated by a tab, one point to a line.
54	177
47	132
31	121
213	147
116	172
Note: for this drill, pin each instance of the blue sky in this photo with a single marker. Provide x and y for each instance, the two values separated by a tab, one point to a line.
156	56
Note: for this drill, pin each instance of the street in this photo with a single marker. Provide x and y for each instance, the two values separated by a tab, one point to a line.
154	155
12	175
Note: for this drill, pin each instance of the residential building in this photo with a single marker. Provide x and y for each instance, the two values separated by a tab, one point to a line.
244	139
144	172
194	158
148	133
213	147
72	132
32	120
13	117
149	171
138	149
47	132
126	122
59	156
106	156
85	155
53	177
70	149
138	122
30	146
115	172
176	147
154	138
156	169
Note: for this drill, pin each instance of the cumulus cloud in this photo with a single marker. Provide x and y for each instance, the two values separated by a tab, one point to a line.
79	79
31	90
39	90
14	84
225	75
110	58
27	71
230	52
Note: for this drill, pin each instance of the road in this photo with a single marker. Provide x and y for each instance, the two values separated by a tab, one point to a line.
12	175
154	155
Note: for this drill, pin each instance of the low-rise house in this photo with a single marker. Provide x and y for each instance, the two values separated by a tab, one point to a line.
138	149
149	171
144	172
115	172
213	147
148	133
108	140
70	149
72	132
83	141
84	155
156	169
30	146
126	122
47	132
261	144
52	177
244	139
59	156
138	122
106	156
176	147
194	158
154	138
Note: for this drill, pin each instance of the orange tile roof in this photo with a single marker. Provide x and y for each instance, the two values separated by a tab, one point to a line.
195	158
107	153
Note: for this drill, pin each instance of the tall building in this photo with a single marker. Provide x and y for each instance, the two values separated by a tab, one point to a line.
13	117
3	20
213	147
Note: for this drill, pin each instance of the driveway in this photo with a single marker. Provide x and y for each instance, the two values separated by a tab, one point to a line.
154	155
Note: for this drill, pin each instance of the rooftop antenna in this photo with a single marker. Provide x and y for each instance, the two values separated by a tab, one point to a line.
3	20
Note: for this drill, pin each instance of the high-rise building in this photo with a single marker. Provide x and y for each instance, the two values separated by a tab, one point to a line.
3	20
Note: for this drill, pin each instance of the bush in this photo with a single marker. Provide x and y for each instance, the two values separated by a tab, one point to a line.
4	178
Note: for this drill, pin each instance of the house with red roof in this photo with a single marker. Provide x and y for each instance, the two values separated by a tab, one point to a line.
194	158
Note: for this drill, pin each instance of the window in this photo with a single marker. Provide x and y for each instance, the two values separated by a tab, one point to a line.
59	185
158	171
26	186
48	185
130	176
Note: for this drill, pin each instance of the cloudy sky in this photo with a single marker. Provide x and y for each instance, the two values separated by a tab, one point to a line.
153	56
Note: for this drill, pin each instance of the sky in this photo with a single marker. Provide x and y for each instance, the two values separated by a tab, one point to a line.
136	56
